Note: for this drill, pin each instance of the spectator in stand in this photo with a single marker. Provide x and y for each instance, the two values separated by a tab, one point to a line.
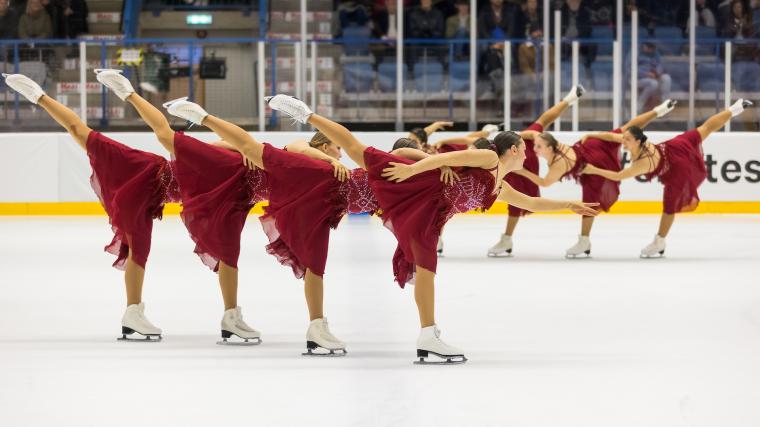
54	9
705	16
384	21
352	14
530	25
497	21
8	21
35	23
384	27
576	23
740	26
601	12
458	27
75	18
654	83
425	22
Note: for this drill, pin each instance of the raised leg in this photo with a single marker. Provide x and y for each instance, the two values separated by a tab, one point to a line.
640	121
338	134
238	137
552	114
155	119
66	118
228	283
714	123
424	295
314	292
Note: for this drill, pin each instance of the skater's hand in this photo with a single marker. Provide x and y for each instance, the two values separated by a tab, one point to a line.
340	171
588	169
397	172
448	176
248	163
584	208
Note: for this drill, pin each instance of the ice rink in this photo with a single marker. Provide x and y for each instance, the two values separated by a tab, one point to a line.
609	341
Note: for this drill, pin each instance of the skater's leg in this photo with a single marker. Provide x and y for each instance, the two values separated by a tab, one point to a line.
511	224
134	275
424	295
314	292
66	118
155	119
586	223
228	283
641	121
238	137
714	123
552	114
338	134
666	221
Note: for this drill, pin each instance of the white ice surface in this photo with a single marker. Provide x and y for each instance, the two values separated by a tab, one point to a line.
608	341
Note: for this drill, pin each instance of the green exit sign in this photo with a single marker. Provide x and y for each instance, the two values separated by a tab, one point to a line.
199	19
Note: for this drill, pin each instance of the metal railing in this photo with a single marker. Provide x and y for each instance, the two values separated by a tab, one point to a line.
362	80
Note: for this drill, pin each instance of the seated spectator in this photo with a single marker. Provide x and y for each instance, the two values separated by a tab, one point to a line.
576	23
496	21
35	23
425	22
8	21
654	83
530	25
352	14
75	19
384	21
601	12
740	26
458	27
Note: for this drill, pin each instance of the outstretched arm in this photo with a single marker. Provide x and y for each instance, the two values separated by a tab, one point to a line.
410	153
555	174
540	204
529	134
436	126
473	158
462	140
303	147
604	136
638	167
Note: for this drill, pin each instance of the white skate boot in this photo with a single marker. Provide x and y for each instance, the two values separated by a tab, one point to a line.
735	109
503	247
134	321
291	106
667	106
233	324
187	110
576	92
25	86
440	246
429	342
319	336
582	247
114	80
656	249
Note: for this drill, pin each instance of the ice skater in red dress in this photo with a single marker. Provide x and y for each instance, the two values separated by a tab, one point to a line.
132	186
524	185
416	204
567	162
307	197
678	163
217	191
